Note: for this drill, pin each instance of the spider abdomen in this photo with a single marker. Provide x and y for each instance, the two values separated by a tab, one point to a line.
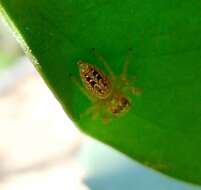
95	81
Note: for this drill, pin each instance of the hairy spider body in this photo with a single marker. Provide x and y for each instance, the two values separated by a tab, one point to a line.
94	80
109	94
100	87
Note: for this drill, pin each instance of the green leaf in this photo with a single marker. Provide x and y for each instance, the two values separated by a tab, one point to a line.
163	127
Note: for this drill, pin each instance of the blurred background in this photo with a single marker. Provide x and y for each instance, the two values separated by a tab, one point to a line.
40	148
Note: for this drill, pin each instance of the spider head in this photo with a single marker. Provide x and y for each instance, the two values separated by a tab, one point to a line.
119	104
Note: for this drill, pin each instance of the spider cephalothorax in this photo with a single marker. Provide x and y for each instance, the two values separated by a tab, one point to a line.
119	104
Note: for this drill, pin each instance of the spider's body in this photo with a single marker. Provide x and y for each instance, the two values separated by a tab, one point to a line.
95	81
100	88
119	104
109	94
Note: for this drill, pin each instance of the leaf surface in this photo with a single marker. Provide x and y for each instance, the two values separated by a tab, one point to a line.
163	127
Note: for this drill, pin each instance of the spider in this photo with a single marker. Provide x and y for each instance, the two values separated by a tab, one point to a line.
107	93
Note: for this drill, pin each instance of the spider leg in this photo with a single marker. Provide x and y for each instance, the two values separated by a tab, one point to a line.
131	89
104	62
90	111
136	91
127	82
105	119
94	111
126	64
79	85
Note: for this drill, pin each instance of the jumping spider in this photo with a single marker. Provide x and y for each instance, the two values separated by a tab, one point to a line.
108	94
